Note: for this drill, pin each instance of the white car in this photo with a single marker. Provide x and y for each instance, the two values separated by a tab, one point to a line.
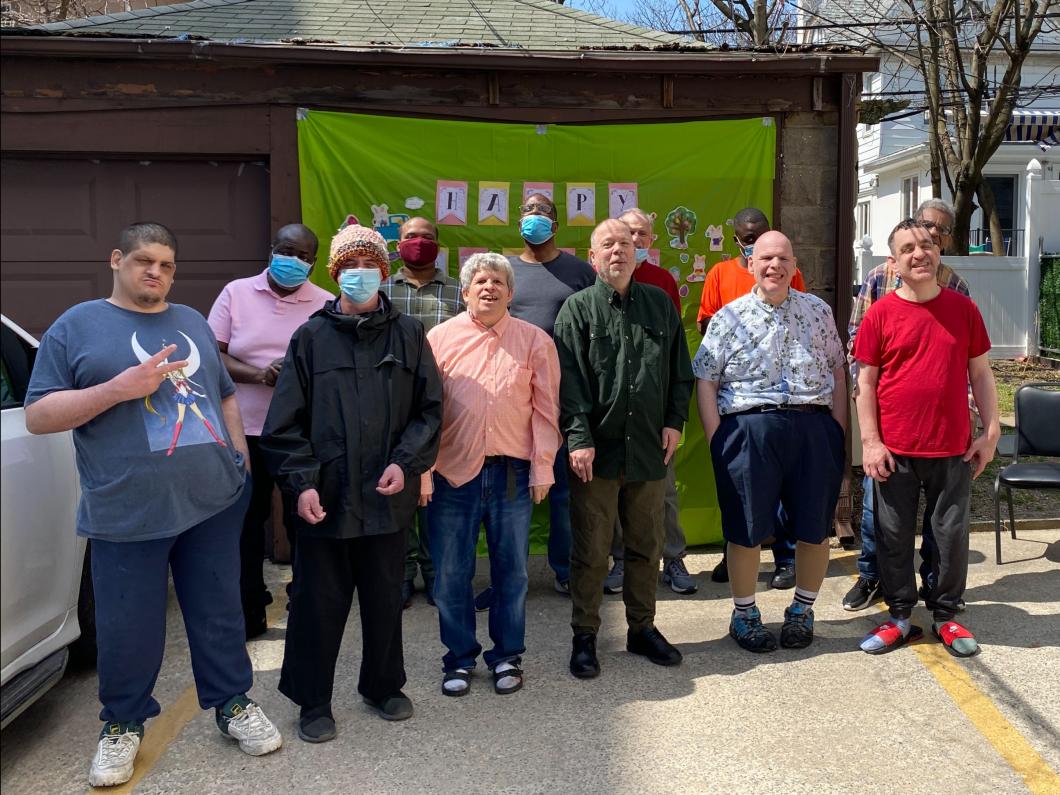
47	613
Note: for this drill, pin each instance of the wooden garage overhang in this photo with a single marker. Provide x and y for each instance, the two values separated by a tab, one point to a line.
113	96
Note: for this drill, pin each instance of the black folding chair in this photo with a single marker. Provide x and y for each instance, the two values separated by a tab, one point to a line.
1037	434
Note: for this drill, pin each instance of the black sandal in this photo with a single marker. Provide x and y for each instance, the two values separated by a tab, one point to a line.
515	673
459	675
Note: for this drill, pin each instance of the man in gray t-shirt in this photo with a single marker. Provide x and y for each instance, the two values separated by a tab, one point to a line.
162	460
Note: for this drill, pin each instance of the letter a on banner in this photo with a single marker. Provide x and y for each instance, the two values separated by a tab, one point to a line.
493	203
451	206
581	204
621	196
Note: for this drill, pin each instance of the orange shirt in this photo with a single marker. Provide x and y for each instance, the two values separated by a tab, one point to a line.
501	397
729	280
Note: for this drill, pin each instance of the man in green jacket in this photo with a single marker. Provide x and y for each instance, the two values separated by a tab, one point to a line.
624	397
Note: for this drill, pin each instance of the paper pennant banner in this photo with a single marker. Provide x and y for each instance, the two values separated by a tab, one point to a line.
451	202
467	251
654	256
581	204
621	196
493	203
544	188
441	262
511	252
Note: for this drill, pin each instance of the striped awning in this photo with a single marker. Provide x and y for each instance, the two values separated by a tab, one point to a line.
1040	127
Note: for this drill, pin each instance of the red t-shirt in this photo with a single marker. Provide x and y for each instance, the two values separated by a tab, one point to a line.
729	280
646	273
922	351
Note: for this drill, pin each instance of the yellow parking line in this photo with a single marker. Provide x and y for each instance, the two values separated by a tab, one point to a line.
164	729
1006	739
980	710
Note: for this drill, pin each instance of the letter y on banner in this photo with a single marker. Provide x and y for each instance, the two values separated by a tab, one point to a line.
621	196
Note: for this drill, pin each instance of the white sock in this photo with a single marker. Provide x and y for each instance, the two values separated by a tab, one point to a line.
804	597
744	604
456	685
501	668
873	642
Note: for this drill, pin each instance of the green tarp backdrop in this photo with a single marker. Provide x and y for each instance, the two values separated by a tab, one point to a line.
470	177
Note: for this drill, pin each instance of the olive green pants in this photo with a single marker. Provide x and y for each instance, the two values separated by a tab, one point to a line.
594	507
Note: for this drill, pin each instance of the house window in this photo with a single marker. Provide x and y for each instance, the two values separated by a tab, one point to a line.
862	217
910	196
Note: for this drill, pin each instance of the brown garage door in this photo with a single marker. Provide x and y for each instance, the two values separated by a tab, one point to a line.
61	218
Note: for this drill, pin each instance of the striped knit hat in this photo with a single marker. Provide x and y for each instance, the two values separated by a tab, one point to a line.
357	241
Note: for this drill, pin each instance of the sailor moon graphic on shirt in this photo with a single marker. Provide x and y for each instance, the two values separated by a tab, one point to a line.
180	392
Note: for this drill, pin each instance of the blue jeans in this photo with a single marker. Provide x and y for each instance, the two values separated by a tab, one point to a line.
559	526
131	582
501	500
867	566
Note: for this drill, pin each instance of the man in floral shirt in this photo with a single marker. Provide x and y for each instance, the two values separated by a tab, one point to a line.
773	401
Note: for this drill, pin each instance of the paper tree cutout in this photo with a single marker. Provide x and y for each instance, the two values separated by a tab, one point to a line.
680	222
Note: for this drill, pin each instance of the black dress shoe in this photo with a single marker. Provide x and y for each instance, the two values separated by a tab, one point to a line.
721	572
650	643
583	662
254	622
784	577
407	589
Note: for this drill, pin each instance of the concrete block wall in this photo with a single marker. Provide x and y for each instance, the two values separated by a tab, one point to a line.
809	169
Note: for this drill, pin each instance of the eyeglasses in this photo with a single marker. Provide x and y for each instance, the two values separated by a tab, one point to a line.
931	226
535	207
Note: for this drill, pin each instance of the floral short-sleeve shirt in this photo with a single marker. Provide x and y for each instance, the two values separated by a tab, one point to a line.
765	355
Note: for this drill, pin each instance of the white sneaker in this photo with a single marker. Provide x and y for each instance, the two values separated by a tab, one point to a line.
256	734
113	762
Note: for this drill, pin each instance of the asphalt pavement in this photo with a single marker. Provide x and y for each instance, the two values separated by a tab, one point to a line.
824	719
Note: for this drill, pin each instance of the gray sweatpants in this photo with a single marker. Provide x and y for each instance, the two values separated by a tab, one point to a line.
674	538
947	483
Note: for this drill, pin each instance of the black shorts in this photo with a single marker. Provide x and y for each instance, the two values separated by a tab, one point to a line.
790	457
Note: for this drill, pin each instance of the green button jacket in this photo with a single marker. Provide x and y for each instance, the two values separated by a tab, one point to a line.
626	376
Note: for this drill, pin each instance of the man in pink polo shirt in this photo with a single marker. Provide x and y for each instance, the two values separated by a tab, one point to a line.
500	434
253	320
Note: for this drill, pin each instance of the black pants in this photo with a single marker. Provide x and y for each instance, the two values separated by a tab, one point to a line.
327	571
252	540
947	484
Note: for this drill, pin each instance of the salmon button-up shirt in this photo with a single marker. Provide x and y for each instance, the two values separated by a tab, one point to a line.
501	397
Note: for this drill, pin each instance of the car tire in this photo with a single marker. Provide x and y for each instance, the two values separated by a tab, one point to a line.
83	650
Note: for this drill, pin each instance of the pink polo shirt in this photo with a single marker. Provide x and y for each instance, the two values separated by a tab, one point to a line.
257	325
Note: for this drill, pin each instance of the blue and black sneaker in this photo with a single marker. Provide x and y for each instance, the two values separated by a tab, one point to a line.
797	630
746	628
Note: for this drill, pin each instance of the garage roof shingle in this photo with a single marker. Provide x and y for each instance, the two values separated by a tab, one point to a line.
519	24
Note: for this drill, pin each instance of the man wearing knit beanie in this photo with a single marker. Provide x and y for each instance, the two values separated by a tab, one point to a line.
356	418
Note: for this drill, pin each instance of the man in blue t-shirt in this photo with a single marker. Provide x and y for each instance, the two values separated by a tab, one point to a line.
164	485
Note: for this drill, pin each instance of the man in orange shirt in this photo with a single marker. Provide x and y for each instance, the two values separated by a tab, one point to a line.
730	279
727	281
500	434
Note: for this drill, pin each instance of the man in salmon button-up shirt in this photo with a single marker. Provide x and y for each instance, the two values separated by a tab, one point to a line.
500	434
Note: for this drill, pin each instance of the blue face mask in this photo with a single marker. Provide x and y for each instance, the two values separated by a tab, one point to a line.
288	272
747	251
640	255
536	229
360	284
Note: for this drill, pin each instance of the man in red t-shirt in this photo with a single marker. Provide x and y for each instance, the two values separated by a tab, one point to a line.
918	349
732	278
